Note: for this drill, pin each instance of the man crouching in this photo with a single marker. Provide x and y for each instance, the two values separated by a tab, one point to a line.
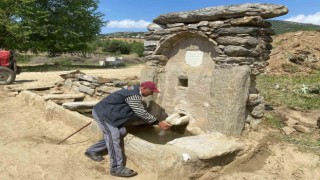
111	113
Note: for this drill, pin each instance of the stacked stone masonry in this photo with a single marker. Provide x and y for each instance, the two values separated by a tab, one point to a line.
240	32
239	36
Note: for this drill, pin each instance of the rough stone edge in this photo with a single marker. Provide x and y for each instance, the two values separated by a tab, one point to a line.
53	112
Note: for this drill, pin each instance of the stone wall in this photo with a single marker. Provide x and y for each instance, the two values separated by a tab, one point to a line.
228	37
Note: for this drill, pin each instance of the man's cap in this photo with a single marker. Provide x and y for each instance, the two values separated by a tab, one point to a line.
151	85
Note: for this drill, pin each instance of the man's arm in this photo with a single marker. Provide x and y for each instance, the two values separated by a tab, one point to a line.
135	103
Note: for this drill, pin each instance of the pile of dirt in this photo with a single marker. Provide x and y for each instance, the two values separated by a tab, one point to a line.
294	52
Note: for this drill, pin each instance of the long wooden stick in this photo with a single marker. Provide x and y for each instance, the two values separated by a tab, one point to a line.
74	133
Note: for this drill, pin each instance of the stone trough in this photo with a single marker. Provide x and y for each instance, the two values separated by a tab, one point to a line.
205	63
185	157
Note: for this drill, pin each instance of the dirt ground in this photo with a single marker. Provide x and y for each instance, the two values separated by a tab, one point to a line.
29	150
28	143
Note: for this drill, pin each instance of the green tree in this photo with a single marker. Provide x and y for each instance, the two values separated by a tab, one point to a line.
55	26
10	32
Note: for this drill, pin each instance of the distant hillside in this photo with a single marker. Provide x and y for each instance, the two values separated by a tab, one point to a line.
286	26
124	35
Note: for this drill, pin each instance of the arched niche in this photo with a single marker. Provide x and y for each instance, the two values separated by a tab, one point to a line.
187	75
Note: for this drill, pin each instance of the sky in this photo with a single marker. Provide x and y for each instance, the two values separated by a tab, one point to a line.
136	15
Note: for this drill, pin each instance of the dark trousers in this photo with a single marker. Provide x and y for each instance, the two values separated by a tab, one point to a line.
112	141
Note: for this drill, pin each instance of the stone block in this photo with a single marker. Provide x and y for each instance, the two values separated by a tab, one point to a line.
86	89
208	146
301	128
230	91
155	27
219	12
287	130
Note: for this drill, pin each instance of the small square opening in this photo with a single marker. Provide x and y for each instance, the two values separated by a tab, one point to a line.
183	82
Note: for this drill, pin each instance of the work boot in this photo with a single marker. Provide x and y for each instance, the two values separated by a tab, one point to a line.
94	156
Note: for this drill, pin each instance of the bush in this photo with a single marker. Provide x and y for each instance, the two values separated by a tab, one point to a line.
116	46
137	48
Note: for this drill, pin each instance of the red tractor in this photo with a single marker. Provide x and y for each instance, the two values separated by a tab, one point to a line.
8	67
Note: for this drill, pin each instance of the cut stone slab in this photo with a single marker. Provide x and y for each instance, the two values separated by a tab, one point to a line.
307	119
233	84
107	89
223	12
86	89
71	74
38	88
301	128
208	146
251	21
79	105
303	119
287	130
86	77
85	83
291	122
63	96
155	27
102	80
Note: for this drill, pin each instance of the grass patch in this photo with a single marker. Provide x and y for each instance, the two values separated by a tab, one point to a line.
43	63
290	68
305	142
24	58
58	67
274	121
65	62
289	90
308	142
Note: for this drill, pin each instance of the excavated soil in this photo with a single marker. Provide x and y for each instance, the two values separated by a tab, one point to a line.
303	44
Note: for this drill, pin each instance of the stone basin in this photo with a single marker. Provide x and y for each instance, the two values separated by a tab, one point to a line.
155	135
185	157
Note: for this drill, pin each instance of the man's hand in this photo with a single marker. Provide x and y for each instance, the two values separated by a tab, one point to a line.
164	125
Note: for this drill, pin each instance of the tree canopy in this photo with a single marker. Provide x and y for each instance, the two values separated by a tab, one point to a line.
54	26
